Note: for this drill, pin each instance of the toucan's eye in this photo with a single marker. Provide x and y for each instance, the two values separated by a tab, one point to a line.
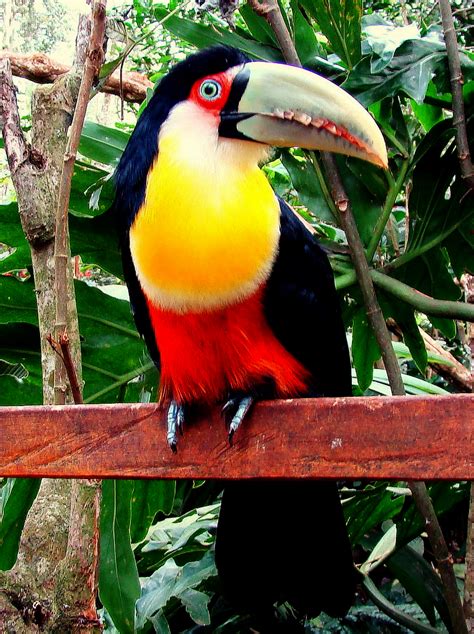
210	90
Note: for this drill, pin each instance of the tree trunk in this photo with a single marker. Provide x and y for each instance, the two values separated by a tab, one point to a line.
37	591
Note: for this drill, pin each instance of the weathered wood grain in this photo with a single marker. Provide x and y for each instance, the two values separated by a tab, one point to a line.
390	438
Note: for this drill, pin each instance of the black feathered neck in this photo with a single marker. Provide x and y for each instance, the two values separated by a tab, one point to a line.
142	148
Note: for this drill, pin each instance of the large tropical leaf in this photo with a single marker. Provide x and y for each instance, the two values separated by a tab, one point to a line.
15	253
119	586
410	69
16	497
112	352
201	35
102	143
340	21
149	498
365	349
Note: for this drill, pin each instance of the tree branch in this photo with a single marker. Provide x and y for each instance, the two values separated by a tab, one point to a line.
42	69
269	10
467	171
424	303
94	58
459	119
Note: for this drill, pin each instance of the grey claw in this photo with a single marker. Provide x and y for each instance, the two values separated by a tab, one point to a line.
235	411
175	422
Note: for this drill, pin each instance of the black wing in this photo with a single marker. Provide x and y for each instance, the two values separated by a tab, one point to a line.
303	309
138	303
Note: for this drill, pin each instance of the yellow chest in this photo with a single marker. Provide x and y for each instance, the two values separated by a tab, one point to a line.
207	233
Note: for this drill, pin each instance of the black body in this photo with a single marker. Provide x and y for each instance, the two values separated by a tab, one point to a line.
276	541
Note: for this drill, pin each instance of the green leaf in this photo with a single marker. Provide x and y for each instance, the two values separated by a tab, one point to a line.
17	301
16	497
389	116
409	72
366	191
201	36
258	26
412	384
171	580
382	549
340	21
306	184
112	351
20	345
395	612
91	190
96	241
183	538
196	604
11	234
372	506
438	206
365	349
149	498
420	581
426	114
429	274
445	496
102	144
382	39
119	586
306	43
403	352
460	246
15	370
404	315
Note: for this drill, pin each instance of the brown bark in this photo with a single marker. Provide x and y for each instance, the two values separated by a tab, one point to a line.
36	172
457	373
469	578
42	69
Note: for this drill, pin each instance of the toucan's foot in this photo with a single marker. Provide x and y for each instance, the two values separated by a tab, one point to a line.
235	411
175	424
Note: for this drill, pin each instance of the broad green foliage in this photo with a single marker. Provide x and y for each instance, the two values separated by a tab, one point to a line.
119	586
16	498
163	531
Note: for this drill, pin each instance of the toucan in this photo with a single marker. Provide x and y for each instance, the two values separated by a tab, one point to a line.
236	300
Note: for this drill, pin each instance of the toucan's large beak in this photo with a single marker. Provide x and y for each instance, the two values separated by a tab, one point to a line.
285	106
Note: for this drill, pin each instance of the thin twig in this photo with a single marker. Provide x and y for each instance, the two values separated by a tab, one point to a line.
459	119
62	349
467	171
92	66
270	10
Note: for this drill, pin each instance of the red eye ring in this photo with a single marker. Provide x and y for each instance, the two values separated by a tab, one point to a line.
210	90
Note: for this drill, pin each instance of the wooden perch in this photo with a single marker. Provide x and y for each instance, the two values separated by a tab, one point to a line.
41	69
397	438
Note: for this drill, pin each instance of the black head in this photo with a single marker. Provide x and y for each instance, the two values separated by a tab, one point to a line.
142	148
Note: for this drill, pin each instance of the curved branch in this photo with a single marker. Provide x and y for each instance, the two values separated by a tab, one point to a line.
42	69
420	301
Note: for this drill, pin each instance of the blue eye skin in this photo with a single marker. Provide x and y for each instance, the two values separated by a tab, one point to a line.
210	90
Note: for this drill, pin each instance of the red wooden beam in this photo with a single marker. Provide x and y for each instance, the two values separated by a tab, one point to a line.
391	438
